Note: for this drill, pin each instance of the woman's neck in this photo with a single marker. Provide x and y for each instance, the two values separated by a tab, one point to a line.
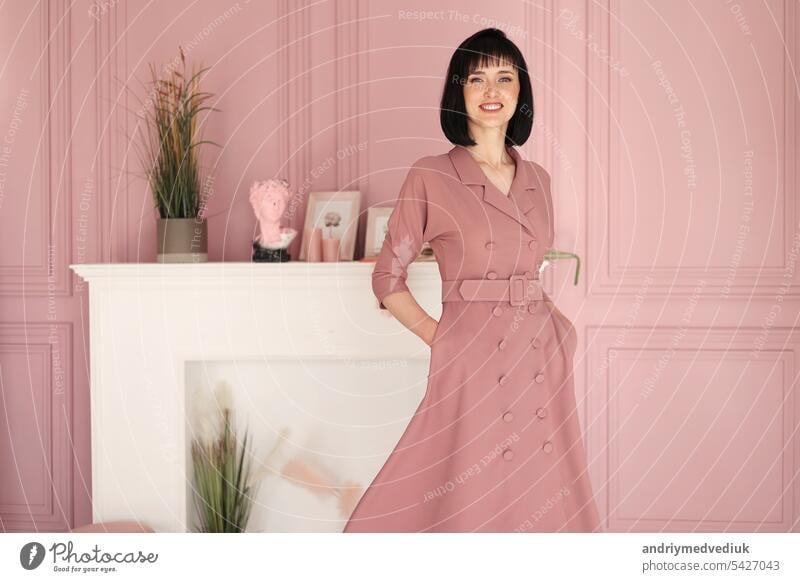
491	146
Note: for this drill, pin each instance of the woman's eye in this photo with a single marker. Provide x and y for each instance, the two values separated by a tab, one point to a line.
509	79
475	80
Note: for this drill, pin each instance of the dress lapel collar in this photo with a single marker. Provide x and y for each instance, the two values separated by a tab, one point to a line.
520	198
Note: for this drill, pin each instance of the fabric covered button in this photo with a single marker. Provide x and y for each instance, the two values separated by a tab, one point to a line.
498	311
531	307
502	379
547	447
541	412
536	343
532	244
490	246
508	454
528	275
491	275
501	344
508	417
539	378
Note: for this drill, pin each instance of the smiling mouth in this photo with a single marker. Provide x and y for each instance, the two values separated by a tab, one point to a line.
491	107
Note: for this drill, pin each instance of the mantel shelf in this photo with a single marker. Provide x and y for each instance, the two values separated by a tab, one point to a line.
176	273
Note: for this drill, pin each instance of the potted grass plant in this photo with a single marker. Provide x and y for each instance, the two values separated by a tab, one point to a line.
171	161
223	479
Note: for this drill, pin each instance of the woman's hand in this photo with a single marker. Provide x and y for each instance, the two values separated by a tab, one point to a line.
407	311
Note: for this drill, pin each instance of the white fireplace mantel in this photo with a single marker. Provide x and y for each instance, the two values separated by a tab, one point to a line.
148	320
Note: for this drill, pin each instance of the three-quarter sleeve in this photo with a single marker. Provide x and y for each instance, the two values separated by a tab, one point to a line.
406	232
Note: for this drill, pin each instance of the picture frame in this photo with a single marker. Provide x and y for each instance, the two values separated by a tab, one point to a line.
377	225
336	213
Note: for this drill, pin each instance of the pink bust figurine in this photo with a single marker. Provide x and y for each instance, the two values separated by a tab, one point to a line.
268	199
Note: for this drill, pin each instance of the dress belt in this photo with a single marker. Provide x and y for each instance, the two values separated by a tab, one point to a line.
517	289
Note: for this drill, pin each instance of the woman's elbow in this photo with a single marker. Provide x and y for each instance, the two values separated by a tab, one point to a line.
384	284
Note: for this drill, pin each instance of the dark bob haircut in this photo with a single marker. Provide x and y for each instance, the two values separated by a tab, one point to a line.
489	46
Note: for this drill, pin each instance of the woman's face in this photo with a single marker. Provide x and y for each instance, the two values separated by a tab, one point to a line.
490	95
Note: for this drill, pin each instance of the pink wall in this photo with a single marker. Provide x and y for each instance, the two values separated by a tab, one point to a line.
646	117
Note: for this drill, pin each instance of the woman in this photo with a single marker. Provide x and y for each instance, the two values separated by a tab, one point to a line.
495	443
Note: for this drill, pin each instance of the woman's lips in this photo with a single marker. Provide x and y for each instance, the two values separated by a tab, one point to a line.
491	107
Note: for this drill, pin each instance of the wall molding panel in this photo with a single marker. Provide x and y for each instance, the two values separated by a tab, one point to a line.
47	275
29	352
694	425
609	275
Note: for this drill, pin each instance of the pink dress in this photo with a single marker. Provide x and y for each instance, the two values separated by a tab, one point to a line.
495	444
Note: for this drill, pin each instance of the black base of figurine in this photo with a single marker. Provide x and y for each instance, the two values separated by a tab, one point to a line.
264	255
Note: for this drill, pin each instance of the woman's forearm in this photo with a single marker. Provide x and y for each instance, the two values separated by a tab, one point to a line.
407	311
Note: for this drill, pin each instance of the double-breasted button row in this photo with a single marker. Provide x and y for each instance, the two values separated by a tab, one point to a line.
535	342
502	379
498	309
508	454
491	245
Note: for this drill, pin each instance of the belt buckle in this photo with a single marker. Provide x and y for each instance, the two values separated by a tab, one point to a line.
516	288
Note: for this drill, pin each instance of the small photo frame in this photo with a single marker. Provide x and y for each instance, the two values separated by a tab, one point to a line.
336	213
377	225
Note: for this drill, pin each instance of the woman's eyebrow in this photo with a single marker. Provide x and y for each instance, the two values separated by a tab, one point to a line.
482	72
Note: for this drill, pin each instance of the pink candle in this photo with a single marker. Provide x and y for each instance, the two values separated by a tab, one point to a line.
330	250
314	249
